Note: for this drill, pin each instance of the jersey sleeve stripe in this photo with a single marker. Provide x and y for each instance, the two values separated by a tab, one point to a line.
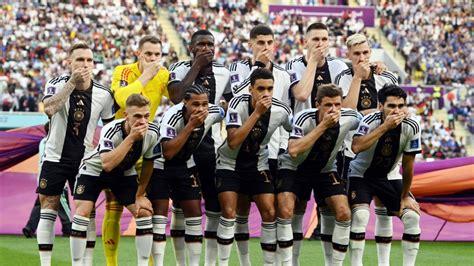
241	86
277	102
301	119
235	101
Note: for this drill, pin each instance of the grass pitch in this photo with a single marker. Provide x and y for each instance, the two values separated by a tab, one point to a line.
19	251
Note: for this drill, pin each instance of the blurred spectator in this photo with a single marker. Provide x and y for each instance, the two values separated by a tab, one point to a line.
35	39
434	37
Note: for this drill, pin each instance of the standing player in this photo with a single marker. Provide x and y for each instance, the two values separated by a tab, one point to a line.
182	129
314	69
262	45
308	73
146	77
384	140
74	105
361	84
214	77
112	165
242	162
314	142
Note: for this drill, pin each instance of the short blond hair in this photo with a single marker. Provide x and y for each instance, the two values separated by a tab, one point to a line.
356	39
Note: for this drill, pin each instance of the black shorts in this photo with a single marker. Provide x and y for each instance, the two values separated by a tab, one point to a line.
176	183
362	190
246	183
89	187
206	168
324	186
285	181
53	177
343	163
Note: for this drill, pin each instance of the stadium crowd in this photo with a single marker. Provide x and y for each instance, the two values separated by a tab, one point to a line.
231	25
35	39
434	38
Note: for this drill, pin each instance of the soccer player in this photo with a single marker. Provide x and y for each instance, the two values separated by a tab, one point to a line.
384	140
361	84
214	77
314	69
112	165
262	45
317	135
308	73
74	103
242	162
182	129
149	78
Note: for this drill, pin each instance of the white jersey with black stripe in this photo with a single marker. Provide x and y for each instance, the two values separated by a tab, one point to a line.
111	136
218	87
367	97
73	126
172	125
328	143
297	67
252	154
386	153
240	82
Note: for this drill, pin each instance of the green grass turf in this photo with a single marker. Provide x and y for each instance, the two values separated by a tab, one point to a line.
18	251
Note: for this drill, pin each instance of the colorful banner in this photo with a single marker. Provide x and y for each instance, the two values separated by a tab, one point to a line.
367	14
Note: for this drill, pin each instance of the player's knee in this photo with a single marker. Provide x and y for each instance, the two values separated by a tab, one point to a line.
360	217
410	218
49	202
228	212
268	215
343	213
143	213
285	211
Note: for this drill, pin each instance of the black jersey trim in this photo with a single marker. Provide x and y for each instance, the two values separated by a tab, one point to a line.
302	118
390	76
237	100
279	103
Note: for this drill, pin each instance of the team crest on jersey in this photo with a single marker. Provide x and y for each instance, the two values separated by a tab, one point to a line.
51	90
123	83
172	76
80	189
298	131
293	77
43	183
414	144
233	117
363	130
171	132
234	78
108	144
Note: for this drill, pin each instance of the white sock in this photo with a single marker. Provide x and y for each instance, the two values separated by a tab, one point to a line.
225	238
327	228
78	239
411	236
210	234
193	239
90	245
297	226
340	241
159	239
242	239
383	235
268	241
177	235
360	219
285	241
45	235
144	239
